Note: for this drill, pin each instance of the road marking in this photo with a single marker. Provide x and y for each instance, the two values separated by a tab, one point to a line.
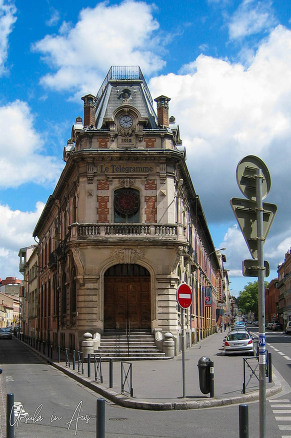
282	411
9	379
283	418
280	352
282	406
287	357
279	400
287	427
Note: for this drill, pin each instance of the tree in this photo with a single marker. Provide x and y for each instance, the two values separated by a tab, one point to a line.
248	298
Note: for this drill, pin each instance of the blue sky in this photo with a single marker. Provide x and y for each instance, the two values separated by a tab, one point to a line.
226	64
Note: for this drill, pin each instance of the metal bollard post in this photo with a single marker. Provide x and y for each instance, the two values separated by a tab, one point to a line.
211	377
270	370
10	416
74	360
89	365
100	418
243	421
110	373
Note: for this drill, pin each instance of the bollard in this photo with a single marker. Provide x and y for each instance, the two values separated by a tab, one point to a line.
10	416
100	418
89	365
270	370
110	373
243	421
211	378
74	359
59	353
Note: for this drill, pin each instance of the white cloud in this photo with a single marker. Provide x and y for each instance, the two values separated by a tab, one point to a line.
251	17
16	229
102	37
227	111
22	150
7	19
54	18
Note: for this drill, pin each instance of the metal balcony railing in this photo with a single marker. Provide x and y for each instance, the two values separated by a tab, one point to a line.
124	73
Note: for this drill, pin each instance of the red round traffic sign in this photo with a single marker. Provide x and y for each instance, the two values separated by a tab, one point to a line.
184	295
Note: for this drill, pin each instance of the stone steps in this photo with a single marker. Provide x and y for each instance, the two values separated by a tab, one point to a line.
138	345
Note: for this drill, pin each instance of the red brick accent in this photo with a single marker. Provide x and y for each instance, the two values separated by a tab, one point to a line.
150	184
103	143
102	209
151	209
150	142
89	110
103	185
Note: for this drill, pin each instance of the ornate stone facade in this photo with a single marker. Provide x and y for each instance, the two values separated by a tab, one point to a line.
124	219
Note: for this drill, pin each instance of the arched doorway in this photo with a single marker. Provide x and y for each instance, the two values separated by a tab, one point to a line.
127	302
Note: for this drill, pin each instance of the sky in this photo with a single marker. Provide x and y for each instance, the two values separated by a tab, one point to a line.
225	64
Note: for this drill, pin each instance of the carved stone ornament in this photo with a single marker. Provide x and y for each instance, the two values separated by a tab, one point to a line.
128	255
126	182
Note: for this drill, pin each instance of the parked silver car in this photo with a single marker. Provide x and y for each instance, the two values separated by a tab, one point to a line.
239	342
5	333
288	327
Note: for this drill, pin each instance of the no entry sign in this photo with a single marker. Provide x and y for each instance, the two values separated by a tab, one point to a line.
184	295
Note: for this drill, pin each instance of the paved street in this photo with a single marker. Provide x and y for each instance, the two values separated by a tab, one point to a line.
59	406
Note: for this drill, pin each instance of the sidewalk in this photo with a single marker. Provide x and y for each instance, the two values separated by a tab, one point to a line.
158	385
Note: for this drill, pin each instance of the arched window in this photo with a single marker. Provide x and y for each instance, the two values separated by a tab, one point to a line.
126	206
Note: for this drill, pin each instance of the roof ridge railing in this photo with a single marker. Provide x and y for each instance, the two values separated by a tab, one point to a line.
124	73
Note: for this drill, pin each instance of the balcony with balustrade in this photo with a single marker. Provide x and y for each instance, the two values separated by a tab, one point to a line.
128	232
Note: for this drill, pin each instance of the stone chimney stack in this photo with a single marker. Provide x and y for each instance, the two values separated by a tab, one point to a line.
163	110
89	110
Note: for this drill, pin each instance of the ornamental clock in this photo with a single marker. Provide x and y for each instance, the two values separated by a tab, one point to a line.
126	121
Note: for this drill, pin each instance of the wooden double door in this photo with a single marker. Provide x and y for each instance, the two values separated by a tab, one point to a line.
127	301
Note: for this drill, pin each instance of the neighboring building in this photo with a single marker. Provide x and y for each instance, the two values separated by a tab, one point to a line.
125	226
9	310
29	293
10	286
284	287
271	301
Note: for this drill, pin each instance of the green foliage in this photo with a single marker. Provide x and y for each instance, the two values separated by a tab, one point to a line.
248	299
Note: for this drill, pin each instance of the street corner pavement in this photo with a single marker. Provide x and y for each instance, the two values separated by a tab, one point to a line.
158	384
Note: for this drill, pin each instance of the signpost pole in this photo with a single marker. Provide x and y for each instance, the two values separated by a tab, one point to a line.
184	297
183	350
261	304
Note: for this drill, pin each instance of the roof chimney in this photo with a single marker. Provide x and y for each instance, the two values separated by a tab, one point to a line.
89	110
163	110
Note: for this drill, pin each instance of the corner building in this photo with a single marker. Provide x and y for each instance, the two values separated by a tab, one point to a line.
124	225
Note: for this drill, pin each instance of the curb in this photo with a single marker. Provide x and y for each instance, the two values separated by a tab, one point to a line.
128	402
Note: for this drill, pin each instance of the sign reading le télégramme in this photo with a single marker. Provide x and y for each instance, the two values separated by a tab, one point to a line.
127	168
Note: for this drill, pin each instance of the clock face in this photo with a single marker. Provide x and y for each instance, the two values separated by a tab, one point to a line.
126	202
126	121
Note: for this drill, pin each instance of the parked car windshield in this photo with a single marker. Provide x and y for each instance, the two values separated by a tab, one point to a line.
237	336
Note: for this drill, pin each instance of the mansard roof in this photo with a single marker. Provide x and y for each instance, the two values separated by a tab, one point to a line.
124	85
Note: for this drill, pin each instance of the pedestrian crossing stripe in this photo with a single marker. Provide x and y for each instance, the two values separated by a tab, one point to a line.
283	408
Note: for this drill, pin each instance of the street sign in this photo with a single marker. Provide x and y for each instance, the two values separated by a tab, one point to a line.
208	296
184	295
246	215
250	268
246	173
